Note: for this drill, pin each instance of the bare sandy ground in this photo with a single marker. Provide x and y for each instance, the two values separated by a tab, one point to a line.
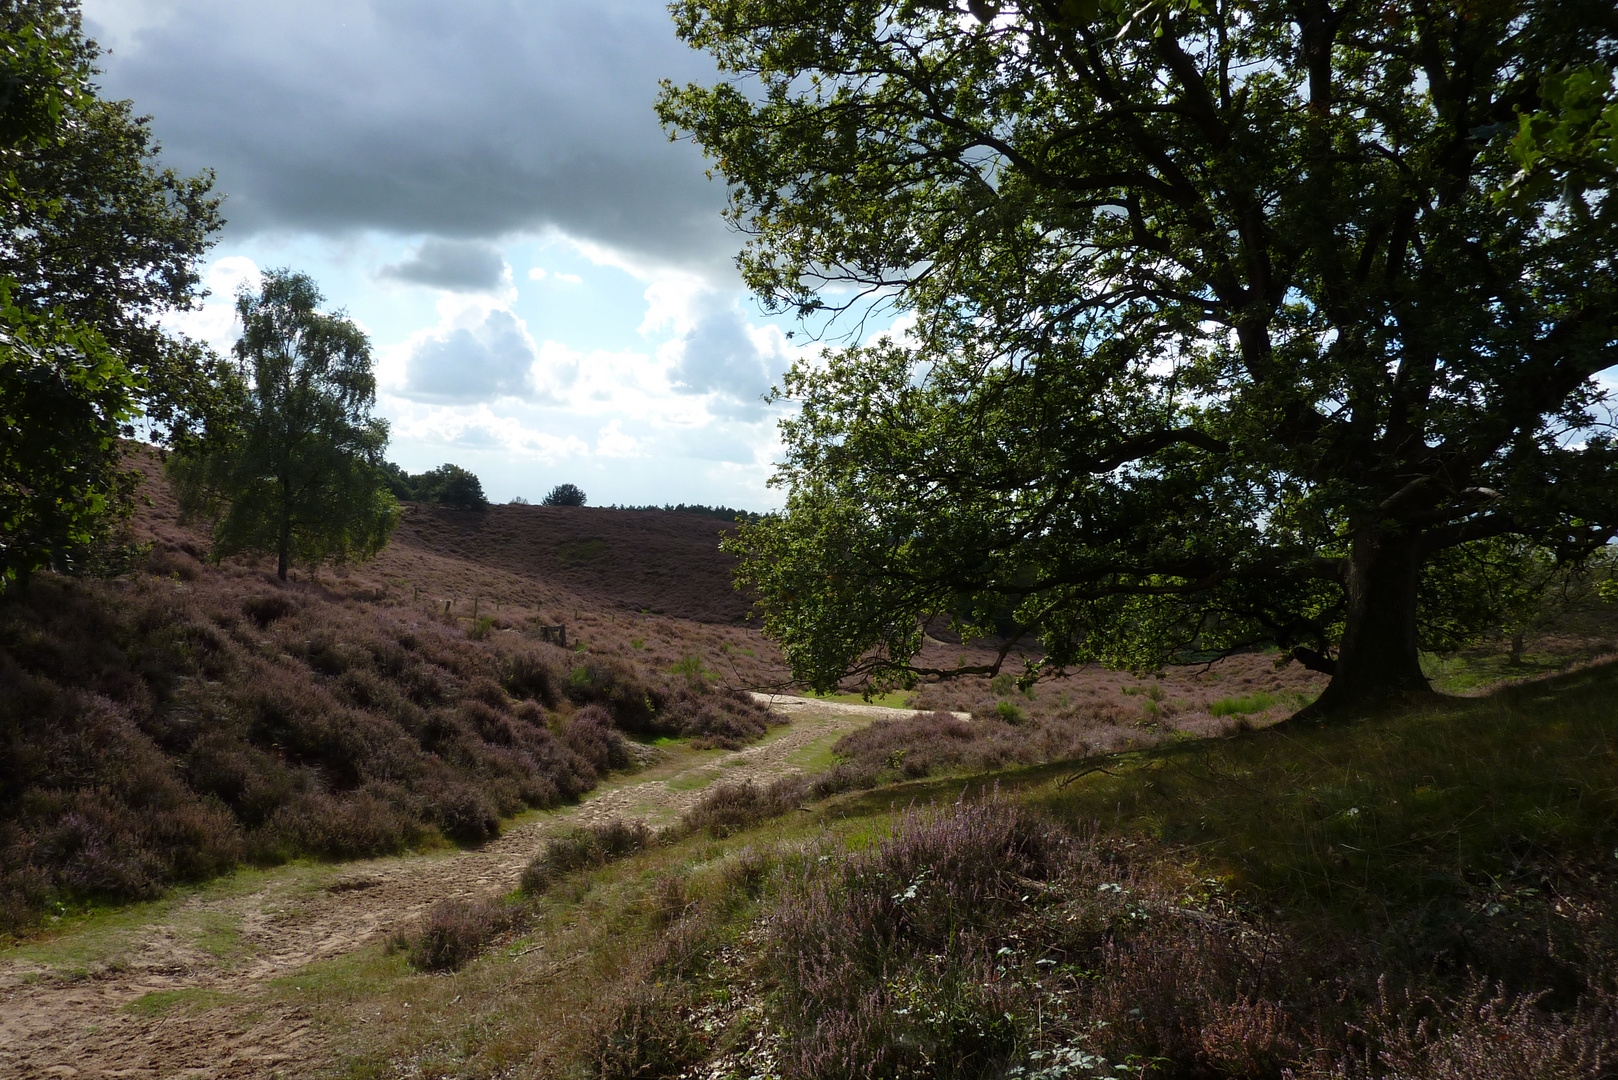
185	988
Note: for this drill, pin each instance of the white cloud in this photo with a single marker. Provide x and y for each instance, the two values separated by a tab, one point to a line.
721	355
481	428
215	321
478	356
613	443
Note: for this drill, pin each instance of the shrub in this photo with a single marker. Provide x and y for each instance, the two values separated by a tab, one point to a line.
1008	712
724	719
265	610
648	1034
582	848
1484	1034
455	931
590	734
532	677
725	809
984	940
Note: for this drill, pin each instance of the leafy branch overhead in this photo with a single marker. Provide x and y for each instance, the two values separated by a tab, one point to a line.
1234	322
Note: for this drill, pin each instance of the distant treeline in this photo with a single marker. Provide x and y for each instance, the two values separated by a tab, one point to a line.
447	485
724	513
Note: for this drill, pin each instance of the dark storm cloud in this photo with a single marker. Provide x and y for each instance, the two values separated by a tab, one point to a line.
469	120
720	358
493	359
457	265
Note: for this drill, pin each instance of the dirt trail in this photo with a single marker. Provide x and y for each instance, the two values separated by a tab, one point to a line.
185	988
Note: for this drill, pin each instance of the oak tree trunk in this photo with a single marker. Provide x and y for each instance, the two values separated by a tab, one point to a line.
1378	660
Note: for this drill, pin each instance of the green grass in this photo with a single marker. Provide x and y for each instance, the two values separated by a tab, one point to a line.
1394	812
79	943
894	699
693	781
166	1002
1243	705
816	756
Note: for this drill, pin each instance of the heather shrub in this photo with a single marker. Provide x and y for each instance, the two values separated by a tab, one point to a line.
725	809
151	733
886	958
462	812
1484	1033
266	609
925	744
724	719
456	931
648	1034
583	848
314	822
589	733
630	700
985	940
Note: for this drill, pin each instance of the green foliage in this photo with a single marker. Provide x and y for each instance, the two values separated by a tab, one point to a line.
1245	705
96	244
691	668
113	240
723	513
450	485
1568	146
447	485
65	398
297	469
564	495
1232	324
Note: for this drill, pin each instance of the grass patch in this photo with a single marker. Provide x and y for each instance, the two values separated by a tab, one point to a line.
1243	705
693	781
894	699
816	756
1369	819
190	999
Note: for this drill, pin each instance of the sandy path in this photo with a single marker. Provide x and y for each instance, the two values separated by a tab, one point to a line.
189	992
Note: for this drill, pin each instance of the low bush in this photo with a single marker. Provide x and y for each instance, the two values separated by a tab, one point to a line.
725	809
985	940
713	718
582	848
456	931
156	730
589	733
649	1033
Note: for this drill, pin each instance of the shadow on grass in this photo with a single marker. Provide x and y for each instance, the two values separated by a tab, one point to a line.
1366	821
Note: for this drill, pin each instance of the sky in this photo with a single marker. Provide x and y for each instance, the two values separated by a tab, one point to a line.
484	188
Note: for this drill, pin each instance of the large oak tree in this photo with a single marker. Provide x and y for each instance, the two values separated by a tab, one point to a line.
1233	322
